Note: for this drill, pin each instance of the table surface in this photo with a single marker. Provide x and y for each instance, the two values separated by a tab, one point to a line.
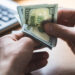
61	57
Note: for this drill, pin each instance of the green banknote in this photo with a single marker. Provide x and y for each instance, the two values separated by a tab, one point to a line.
20	12
33	16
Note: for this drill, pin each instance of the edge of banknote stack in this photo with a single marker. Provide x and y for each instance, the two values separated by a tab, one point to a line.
22	20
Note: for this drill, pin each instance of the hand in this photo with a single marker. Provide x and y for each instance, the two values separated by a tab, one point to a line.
64	29
17	57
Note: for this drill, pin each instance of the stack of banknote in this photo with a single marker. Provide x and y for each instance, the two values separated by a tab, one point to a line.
31	18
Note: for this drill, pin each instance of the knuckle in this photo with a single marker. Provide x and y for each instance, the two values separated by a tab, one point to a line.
27	40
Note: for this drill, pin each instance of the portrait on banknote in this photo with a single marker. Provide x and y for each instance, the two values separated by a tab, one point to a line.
34	16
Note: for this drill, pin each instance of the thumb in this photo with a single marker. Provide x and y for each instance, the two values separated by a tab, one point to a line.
17	35
61	31
27	43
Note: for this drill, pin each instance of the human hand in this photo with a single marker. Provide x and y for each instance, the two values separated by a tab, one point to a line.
64	28
17	57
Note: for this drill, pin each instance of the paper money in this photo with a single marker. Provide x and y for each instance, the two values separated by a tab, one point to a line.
20	12
33	16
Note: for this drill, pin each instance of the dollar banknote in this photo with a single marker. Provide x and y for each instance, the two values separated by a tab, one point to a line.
32	17
20	12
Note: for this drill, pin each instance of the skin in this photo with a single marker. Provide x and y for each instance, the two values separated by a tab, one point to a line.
23	60
64	28
17	57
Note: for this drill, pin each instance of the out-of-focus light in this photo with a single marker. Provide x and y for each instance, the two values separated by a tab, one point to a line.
61	3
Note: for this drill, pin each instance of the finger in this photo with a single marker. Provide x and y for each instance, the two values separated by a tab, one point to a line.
38	44
38	61
32	42
66	17
72	45
60	31
13	37
27	43
17	36
39	56
37	65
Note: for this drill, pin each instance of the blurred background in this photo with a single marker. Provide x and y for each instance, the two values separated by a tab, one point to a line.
62	3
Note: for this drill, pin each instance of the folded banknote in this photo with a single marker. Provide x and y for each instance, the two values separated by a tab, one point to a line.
33	16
